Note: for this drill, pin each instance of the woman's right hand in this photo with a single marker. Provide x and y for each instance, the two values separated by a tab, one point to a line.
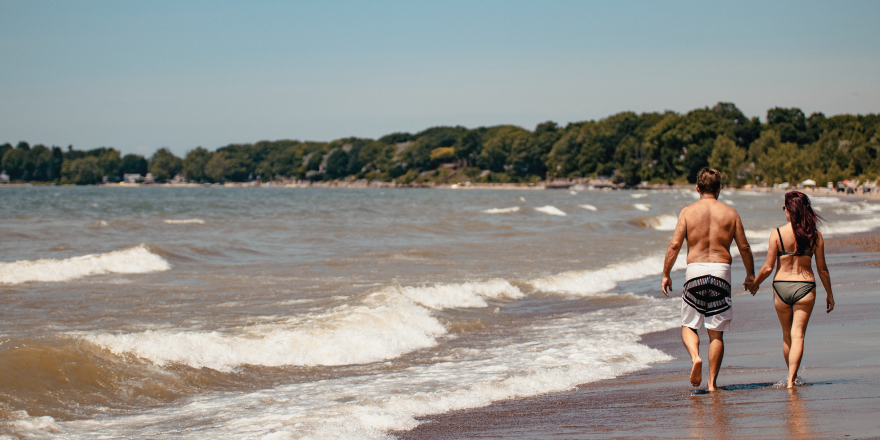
829	303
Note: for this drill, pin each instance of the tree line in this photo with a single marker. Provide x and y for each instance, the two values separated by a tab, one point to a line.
627	147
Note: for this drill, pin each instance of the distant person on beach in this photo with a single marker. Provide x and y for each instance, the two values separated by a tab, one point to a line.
794	283
709	227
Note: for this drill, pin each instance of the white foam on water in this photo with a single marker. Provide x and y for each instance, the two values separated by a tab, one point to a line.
850	226
522	199
133	260
188	221
729	202
588	207
549	355
589	282
465	295
384	325
639	195
574	193
502	210
642	206
665	222
551	210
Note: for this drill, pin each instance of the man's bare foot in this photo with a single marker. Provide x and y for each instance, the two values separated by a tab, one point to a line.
697	373
710	386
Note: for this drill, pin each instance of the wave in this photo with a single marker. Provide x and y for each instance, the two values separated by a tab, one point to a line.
588	207
639	195
586	282
665	222
133	260
465	295
384	325
546	356
502	210
551	210
188	221
642	206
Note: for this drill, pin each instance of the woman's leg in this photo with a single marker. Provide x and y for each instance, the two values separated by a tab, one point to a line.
801	317
785	313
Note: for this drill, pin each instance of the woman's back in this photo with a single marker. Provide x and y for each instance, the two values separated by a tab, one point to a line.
793	267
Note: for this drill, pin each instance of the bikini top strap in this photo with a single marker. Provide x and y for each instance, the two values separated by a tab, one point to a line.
781	244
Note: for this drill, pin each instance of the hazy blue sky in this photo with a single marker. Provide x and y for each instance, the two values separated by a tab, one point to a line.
138	76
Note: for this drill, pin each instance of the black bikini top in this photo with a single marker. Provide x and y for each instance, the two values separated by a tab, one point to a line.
783	253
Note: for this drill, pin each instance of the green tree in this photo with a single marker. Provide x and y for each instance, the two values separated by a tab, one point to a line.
497	144
134	164
337	164
164	165
218	168
194	164
83	171
730	159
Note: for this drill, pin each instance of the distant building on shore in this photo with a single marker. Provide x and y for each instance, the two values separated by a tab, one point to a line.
132	178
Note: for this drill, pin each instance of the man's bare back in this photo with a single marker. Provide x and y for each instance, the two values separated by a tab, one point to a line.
709	227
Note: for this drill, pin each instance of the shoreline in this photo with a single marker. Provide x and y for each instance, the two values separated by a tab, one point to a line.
874	196
840	400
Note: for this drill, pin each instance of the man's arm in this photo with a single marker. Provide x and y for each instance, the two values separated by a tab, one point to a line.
672	252
745	252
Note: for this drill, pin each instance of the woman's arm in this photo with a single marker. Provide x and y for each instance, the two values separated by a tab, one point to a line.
822	269
767	269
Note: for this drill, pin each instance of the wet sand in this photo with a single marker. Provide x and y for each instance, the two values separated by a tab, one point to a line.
841	398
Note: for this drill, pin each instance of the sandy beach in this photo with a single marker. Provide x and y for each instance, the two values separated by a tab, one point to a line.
840	400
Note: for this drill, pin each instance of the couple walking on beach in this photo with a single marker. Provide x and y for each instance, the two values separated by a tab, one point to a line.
709	227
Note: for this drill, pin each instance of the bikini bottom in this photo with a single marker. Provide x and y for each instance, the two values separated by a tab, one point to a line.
791	292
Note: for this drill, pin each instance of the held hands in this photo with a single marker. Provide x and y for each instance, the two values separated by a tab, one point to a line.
751	285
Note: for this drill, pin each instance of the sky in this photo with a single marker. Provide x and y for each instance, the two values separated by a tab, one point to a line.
138	76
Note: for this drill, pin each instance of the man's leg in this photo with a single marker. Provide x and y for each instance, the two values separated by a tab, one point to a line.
692	343
716	354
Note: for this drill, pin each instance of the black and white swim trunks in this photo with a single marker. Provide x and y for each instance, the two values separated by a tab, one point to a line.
705	301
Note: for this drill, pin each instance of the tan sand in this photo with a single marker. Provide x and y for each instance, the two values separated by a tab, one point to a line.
840	401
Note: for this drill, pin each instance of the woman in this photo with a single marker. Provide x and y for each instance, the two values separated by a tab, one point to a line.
794	284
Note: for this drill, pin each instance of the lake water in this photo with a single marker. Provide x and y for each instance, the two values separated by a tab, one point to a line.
269	313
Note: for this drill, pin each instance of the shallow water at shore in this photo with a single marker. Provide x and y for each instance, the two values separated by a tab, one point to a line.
322	313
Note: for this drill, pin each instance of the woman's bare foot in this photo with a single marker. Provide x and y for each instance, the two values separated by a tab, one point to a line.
697	373
791	382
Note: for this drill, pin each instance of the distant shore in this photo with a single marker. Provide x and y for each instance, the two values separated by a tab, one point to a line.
362	184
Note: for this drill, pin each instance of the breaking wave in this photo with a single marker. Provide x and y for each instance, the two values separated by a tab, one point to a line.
188	221
502	210
133	260
384	325
551	210
586	282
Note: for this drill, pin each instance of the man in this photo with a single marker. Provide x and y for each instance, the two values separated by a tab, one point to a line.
709	227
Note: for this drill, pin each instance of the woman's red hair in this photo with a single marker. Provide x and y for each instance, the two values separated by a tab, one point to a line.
804	221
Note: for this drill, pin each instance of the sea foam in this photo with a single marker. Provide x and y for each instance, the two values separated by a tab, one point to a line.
385	324
465	295
586	282
642	206
588	207
665	222
188	221
545	356
551	210
502	210
133	260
